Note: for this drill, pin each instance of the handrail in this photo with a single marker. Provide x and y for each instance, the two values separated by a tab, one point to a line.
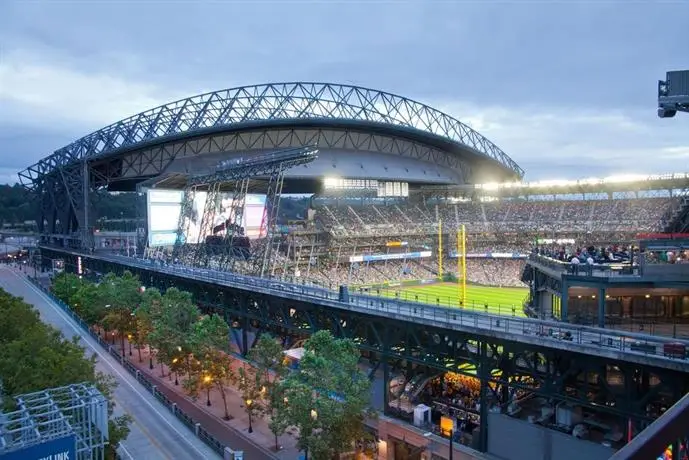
586	338
664	431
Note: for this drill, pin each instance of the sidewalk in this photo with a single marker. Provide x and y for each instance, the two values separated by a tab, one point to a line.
233	433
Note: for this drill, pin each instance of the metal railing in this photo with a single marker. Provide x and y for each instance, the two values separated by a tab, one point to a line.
585	339
187	420
583	269
670	429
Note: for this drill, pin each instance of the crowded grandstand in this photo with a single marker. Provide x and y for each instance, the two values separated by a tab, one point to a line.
357	238
354	237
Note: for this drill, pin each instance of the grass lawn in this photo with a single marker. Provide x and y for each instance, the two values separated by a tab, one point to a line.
500	300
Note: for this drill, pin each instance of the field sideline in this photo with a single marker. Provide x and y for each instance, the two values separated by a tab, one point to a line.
500	300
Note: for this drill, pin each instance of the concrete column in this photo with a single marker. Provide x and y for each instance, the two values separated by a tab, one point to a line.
601	307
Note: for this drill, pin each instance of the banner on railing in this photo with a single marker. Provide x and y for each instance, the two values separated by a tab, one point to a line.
491	255
398	256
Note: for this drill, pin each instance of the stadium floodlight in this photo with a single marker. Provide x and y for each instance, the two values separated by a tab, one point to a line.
331	182
624	178
615	179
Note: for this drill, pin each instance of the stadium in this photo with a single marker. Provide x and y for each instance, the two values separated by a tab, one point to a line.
393	183
388	197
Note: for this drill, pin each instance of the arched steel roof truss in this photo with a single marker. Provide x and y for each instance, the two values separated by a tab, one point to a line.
275	101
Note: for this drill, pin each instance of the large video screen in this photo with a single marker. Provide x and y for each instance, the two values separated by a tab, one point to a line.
163	216
164	207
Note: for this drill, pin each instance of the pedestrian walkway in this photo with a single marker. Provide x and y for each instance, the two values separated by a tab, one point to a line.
233	433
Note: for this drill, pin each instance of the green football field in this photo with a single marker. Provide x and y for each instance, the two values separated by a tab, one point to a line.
499	300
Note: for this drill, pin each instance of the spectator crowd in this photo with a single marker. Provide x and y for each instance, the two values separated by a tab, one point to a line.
333	246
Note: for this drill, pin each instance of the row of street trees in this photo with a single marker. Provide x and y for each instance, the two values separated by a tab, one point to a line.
35	356
326	398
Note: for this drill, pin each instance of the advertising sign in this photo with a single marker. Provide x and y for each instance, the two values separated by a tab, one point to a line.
398	256
56	449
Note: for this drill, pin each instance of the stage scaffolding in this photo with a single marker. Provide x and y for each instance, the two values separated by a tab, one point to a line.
80	410
219	246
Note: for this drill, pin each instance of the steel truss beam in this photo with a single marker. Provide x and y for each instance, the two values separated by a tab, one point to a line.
271	103
619	388
235	174
152	161
181	247
203	254
234	228
269	223
66	205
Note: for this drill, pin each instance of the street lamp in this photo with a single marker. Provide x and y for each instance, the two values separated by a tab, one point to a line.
248	409
452	449
174	361
129	339
207	380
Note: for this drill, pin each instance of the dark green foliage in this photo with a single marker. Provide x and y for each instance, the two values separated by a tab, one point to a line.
327	399
18	205
36	356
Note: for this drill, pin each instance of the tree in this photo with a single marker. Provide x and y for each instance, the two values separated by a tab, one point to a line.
89	303
327	398
267	355
36	356
16	318
207	344
220	367
149	309
172	329
124	295
209	333
65	285
253	390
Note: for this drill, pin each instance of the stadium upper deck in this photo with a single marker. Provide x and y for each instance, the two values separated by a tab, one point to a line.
658	184
617	204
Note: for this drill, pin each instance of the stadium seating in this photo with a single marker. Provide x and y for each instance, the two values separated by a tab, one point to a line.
500	226
332	248
641	215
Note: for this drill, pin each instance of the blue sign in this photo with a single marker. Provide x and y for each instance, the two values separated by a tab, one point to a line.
57	449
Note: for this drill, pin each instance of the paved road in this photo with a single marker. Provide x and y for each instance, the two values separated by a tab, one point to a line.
155	433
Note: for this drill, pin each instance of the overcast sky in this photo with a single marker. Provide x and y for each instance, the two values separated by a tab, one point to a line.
567	89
